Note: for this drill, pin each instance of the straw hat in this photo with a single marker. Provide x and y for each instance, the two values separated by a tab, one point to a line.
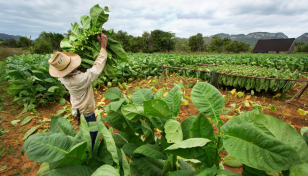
63	63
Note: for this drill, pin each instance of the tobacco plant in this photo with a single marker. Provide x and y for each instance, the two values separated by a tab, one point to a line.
261	142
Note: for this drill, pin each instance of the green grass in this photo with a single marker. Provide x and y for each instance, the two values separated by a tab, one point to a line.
7	52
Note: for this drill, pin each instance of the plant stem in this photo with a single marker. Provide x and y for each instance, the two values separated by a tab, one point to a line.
217	154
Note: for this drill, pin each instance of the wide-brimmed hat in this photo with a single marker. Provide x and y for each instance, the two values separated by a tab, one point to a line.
63	63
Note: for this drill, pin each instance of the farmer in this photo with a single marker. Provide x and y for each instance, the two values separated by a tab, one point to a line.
64	66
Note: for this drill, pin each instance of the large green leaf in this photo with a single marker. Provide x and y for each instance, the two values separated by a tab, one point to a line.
48	148
173	131
222	172
202	128
85	132
119	140
157	108
169	166
186	125
206	172
158	94
106	170
190	148
208	156
78	138
256	149
65	43
116	50
299	170
149	166
129	148
114	106
133	112
114	116
125	165
148	131
108	139
152	151
113	94
142	95
43	168
185	166
95	151
104	155
70	170
76	32
157	122
173	99
98	16
66	127
92	126
182	173
75	156
283	132
208	100
32	137
249	171
245	117
85	21
135	171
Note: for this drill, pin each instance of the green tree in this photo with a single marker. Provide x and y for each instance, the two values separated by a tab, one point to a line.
123	38
180	44
162	41
24	42
42	46
137	44
196	42
219	44
237	47
11	43
53	38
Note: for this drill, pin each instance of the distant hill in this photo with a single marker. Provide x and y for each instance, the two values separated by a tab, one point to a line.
302	38
252	38
6	36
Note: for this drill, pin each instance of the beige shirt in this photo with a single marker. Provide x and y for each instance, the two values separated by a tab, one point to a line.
80	87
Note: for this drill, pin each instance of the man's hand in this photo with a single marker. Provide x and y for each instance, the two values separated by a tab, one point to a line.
102	40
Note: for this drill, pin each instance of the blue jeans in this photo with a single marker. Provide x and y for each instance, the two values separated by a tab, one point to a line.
93	135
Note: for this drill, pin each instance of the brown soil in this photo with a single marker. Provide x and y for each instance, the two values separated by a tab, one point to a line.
11	142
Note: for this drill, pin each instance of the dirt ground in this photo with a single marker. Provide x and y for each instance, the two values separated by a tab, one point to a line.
13	163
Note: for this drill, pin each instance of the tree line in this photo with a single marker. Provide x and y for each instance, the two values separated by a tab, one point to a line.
301	47
46	42
149	42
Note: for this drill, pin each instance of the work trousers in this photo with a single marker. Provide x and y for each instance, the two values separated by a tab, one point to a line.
93	135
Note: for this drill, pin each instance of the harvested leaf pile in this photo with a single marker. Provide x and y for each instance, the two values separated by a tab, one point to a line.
249	83
83	41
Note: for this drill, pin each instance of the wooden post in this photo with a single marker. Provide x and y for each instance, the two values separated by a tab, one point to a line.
297	95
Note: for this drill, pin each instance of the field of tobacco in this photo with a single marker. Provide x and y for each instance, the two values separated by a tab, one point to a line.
32	86
159	126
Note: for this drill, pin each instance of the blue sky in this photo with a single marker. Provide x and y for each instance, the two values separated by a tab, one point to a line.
182	17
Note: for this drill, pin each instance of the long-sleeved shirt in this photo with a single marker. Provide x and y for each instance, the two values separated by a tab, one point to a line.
80	87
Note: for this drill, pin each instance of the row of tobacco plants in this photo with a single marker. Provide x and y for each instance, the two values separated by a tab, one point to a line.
32	86
261	142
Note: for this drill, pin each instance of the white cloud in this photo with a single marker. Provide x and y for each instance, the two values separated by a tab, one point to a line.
182	17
